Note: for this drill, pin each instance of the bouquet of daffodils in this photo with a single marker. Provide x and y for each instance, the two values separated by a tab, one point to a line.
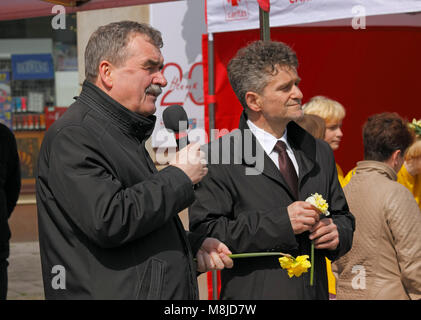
316	200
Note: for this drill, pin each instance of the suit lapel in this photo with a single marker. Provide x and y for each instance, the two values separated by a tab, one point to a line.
261	161
299	141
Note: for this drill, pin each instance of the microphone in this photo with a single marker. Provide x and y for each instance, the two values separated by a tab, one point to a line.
176	120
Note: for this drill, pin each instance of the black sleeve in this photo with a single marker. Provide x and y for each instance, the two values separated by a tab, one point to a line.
96	201
12	184
340	213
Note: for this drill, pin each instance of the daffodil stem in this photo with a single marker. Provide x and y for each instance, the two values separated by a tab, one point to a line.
258	254
312	263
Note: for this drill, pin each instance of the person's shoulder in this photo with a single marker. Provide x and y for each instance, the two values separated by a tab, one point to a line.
5	131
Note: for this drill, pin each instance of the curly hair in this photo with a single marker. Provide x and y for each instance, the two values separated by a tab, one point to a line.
252	66
383	134
109	42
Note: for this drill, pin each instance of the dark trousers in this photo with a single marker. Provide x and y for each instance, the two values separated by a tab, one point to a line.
3	278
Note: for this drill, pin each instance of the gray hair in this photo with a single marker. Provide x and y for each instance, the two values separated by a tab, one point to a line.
253	66
109	42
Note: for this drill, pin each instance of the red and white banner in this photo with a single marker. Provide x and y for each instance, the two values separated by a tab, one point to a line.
234	15
182	25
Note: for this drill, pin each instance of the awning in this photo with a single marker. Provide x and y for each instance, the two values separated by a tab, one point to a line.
21	9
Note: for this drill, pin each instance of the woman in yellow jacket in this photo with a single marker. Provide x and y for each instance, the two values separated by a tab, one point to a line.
333	114
410	173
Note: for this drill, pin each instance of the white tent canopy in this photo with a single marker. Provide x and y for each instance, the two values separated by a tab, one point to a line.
234	15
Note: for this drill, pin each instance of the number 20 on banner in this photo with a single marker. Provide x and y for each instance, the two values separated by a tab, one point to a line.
176	84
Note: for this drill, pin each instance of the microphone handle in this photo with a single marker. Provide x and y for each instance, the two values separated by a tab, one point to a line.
183	141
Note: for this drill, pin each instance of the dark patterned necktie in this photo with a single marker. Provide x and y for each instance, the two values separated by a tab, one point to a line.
286	167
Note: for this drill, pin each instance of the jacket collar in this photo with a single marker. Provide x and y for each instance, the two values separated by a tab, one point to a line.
302	144
367	166
130	122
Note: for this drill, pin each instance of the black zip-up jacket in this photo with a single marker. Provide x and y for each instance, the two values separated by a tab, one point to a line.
9	185
108	220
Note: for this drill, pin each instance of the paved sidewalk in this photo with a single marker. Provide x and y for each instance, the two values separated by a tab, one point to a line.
25	280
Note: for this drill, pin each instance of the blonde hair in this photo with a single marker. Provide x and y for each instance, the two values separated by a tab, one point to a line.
328	109
414	151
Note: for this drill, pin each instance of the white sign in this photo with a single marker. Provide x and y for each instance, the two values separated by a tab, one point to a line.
233	15
182	24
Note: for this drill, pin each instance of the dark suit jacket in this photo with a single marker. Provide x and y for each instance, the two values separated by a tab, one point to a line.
243	202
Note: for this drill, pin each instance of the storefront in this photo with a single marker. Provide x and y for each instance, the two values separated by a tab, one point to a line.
38	79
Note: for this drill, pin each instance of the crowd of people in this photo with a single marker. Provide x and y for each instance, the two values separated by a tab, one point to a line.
109	219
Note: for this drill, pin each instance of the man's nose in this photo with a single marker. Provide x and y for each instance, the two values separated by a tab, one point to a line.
297	94
160	79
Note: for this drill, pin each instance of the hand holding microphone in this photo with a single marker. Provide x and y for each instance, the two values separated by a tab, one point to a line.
192	161
189	157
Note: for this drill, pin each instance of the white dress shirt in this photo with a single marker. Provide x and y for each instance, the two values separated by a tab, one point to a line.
268	141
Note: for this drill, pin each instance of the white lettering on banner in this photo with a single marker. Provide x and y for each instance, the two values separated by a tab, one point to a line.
358	282
59	21
59	280
358	21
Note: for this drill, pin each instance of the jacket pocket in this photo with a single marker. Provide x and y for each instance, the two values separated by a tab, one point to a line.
152	280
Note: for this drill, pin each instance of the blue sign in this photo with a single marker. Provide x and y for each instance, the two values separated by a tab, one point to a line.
32	66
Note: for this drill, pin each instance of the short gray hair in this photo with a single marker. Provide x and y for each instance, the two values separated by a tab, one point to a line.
109	42
253	65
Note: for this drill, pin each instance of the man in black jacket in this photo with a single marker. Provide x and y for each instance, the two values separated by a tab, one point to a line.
108	223
9	192
245	200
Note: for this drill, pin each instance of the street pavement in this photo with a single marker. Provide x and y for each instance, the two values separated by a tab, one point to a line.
25	280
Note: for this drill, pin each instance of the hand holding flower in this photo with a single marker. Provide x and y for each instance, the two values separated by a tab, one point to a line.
302	216
325	234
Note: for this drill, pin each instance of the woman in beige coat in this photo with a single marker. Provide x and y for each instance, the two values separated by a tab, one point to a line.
385	259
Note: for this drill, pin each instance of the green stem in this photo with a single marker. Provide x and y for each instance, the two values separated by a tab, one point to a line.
312	263
259	254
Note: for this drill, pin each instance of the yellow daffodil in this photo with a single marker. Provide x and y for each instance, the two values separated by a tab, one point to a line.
415	126
317	200
295	267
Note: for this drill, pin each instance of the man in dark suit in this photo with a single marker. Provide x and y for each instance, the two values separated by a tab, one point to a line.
252	197
9	192
108	220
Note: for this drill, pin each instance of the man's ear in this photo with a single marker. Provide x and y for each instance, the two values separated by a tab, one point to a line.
105	69
253	101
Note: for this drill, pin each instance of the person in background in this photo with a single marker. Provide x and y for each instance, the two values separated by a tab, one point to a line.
10	185
258	204
108	219
333	113
410	173
385	259
313	124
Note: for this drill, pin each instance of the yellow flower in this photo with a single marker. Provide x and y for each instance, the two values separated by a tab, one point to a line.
295	267
317	200
415	126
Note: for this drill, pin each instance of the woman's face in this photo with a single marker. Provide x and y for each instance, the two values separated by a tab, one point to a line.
333	134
